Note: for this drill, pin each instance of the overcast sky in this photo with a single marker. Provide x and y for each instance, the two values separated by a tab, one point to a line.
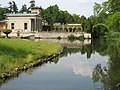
81	7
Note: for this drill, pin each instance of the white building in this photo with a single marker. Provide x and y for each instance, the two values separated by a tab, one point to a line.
25	22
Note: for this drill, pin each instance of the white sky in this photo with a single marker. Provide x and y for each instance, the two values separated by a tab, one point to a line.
81	7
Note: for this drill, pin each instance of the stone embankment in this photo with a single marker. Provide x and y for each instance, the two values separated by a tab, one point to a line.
50	35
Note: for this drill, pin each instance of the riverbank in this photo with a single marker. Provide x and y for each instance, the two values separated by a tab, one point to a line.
18	55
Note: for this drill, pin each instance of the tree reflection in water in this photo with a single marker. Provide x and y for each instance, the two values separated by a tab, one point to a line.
110	75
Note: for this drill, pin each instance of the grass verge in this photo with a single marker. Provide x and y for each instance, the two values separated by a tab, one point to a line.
16	53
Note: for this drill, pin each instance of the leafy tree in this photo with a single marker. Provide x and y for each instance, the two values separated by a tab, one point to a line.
53	14
88	26
13	7
101	11
115	5
97	9
113	22
10	7
83	21
99	30
24	8
76	18
32	3
2	12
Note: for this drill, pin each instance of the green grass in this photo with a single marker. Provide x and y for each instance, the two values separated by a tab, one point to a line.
16	52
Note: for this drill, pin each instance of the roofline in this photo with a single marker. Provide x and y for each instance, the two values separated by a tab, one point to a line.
22	15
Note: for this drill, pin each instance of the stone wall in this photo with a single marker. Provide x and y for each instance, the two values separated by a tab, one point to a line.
50	35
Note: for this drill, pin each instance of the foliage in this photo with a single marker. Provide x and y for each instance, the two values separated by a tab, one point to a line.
13	7
99	30
88	26
2	12
32	4
115	6
7	31
112	34
54	15
83	20
73	38
24	8
16	53
109	75
113	22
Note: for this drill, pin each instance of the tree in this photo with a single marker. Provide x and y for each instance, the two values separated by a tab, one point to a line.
99	30
51	14
32	3
88	26
97	9
76	18
7	31
13	7
113	22
10	7
2	12
24	8
82	21
115	5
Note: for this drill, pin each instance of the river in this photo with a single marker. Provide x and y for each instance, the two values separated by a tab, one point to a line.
88	65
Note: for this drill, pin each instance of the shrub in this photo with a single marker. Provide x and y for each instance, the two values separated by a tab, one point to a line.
99	30
7	31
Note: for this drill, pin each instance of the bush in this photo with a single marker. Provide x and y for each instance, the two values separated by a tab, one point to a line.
7	31
99	30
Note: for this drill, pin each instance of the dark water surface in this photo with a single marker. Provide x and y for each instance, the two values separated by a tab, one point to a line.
83	66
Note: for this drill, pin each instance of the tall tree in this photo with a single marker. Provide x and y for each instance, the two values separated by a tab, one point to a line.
15	8
24	8
115	5
97	9
76	18
83	21
32	3
88	26
10	7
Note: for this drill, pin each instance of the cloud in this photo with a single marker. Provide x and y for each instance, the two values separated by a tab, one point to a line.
84	67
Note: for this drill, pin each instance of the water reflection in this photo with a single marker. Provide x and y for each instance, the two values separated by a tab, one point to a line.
110	75
82	66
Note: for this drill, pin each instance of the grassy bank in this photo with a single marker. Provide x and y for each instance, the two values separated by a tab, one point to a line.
16	53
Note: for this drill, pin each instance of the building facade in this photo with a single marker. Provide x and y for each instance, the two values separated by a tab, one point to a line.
25	22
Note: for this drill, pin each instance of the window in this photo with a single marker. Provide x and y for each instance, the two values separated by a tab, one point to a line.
25	25
12	25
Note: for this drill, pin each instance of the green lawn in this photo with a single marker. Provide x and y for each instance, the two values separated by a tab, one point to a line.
16	52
